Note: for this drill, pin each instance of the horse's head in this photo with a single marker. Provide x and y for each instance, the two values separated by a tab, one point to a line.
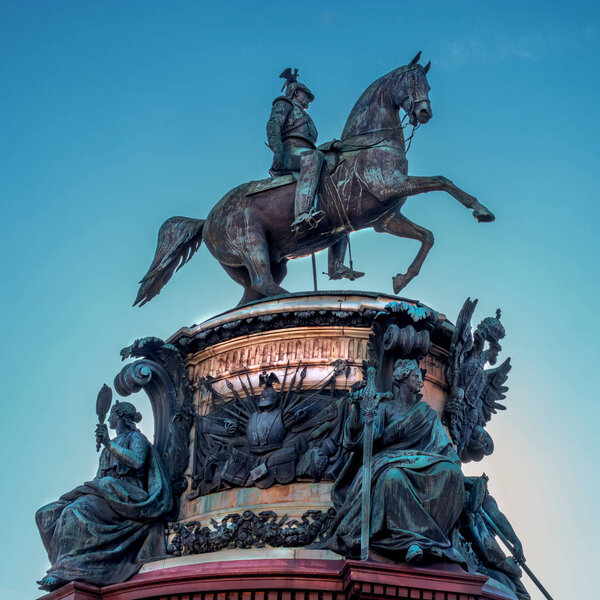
378	107
412	92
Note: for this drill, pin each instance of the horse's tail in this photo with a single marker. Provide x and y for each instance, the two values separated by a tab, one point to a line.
178	240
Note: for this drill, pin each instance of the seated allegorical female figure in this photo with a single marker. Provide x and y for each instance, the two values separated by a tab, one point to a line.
102	531
417	483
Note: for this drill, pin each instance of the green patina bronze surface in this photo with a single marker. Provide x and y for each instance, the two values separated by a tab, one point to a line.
416	479
360	181
104	530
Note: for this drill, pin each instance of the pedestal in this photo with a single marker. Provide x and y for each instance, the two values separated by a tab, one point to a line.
309	331
292	579
268	540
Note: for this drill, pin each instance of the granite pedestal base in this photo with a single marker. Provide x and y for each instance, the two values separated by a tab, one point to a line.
292	579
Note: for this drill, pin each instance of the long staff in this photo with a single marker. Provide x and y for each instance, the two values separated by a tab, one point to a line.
370	399
511	549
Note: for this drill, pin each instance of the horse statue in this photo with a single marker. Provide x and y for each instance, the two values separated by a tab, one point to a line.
364	184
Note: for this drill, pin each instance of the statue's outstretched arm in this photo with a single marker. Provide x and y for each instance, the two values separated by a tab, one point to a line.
491	508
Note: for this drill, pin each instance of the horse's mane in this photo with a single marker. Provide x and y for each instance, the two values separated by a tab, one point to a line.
368	99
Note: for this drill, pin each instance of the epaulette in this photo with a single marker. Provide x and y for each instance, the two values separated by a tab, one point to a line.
285	99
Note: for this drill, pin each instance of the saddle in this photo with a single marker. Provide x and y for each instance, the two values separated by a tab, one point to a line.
263	185
280	178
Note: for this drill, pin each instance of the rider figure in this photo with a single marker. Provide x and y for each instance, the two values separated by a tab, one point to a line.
292	137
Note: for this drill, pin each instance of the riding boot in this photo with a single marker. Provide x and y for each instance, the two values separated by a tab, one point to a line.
341	271
307	216
336	269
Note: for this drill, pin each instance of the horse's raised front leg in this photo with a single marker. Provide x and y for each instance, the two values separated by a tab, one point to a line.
413	185
397	224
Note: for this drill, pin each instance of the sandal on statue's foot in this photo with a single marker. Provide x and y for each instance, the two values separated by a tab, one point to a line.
51	582
414	554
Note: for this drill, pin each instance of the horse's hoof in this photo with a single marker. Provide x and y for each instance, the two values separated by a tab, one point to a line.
483	215
399	282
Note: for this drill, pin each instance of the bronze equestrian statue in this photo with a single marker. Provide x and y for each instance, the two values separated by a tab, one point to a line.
292	137
363	184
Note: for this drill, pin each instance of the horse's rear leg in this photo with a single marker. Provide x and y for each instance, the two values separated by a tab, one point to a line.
240	275
279	270
259	268
397	224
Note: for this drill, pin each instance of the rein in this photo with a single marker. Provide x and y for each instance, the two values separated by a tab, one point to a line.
349	147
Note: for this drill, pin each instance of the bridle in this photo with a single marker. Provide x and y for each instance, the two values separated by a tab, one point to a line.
408	113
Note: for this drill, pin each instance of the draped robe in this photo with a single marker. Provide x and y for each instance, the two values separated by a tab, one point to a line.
102	531
417	490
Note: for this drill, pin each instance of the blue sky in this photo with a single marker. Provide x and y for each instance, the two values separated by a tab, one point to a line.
118	115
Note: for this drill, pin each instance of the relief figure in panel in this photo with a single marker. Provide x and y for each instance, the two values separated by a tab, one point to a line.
277	436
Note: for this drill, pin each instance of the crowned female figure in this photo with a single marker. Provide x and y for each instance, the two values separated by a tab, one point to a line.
417	483
102	531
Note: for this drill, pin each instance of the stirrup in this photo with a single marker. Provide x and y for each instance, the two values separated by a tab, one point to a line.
344	272
307	221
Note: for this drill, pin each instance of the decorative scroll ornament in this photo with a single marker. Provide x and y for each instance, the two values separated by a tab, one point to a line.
161	373
401	330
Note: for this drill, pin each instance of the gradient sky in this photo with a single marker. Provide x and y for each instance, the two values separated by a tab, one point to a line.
118	115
